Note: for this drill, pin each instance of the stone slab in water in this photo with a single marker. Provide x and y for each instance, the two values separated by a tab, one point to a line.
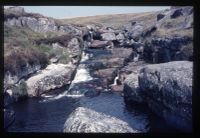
84	120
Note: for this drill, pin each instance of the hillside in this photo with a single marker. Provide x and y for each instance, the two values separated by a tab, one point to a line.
115	20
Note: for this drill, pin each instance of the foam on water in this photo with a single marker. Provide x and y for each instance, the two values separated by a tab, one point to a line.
82	75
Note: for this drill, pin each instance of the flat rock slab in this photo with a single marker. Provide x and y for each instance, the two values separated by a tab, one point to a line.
84	120
53	76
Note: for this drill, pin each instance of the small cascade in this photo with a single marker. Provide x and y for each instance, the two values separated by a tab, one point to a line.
82	75
136	58
116	80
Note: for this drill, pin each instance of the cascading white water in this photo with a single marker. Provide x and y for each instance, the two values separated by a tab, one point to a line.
136	58
115	80
82	75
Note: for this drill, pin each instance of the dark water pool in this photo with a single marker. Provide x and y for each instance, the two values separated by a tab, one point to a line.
43	115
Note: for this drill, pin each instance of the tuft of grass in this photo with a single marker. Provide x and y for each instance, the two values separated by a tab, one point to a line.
18	59
64	59
43	48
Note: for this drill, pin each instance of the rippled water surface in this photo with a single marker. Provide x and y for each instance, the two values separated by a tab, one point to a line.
45	115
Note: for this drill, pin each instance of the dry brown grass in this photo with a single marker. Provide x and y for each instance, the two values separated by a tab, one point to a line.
115	20
18	59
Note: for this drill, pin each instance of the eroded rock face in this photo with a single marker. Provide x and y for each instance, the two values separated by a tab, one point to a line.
84	120
38	25
74	48
16	9
167	89
16	16
165	49
54	76
168	92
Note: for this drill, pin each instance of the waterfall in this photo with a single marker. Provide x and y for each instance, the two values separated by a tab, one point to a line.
82	75
91	35
115	80
136	58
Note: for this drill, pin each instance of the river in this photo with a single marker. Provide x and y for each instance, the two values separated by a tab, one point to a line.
43	115
49	113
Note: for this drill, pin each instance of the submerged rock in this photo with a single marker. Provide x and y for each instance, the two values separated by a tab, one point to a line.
84	120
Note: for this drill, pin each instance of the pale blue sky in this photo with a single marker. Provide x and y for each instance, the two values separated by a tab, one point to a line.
77	11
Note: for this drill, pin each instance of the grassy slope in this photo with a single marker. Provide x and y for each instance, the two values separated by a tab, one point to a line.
115	20
23	38
119	20
20	48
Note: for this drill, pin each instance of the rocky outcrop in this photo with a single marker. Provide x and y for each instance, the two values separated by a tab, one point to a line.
166	49
160	25
38	25
167	89
84	120
44	25
54	76
74	48
16	16
17	9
